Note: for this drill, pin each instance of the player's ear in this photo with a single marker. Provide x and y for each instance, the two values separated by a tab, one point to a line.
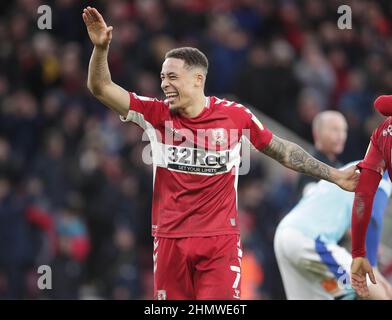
199	77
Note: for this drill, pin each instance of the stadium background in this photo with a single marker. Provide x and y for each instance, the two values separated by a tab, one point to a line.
74	191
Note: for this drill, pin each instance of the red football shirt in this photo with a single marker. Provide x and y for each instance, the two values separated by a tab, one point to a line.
195	164
376	161
378	155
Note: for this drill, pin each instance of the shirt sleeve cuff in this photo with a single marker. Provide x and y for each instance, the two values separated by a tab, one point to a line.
127	118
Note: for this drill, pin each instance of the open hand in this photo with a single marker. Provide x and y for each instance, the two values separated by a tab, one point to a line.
361	267
99	33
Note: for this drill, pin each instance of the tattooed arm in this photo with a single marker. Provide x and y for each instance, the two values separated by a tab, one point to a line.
294	157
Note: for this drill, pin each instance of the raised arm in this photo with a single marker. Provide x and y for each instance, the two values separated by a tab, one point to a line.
99	80
294	157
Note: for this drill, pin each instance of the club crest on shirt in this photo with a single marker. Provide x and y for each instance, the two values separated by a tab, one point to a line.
161	295
218	136
387	131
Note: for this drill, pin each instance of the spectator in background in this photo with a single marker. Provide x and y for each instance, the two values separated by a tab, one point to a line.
309	105
125	275
355	104
254	79
52	167
73	246
283	86
228	45
329	134
22	125
17	240
267	81
315	71
9	166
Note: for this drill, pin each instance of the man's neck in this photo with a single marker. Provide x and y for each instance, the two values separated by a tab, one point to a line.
193	110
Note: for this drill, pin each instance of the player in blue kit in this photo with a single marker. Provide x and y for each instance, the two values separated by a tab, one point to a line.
312	263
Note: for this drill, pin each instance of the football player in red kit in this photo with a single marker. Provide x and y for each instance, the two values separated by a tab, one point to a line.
196	147
376	161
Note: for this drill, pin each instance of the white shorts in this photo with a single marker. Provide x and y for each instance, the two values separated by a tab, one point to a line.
311	269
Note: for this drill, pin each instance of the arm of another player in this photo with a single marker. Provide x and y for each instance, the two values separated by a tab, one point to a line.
294	157
99	80
370	177
363	202
380	203
382	290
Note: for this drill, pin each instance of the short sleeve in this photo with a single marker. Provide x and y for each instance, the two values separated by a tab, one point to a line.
259	135
145	111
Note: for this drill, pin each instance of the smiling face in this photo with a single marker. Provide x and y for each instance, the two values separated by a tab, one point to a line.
181	83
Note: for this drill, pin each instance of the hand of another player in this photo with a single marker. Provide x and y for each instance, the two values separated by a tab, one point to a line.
379	291
99	33
388	289
385	285
360	267
348	178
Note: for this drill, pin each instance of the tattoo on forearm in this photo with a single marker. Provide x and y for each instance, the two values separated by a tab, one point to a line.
294	157
275	149
305	163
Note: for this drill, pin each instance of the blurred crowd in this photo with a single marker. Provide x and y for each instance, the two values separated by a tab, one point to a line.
74	191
